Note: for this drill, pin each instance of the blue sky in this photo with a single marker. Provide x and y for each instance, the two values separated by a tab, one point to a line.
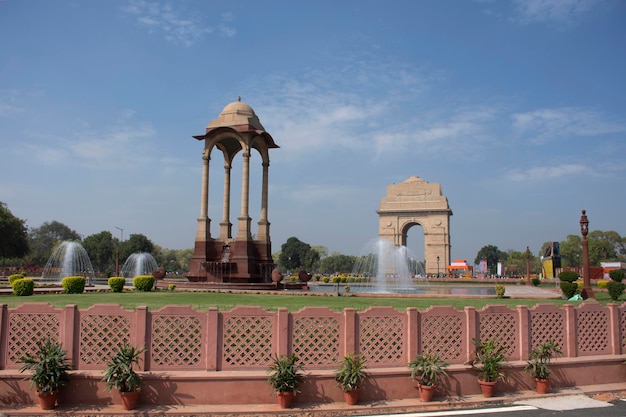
517	108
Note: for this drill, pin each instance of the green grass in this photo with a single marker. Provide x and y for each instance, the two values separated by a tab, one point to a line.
227	301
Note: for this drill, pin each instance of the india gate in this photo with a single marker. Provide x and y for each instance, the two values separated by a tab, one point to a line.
234	258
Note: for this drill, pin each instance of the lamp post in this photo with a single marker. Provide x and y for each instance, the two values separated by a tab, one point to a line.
587	292
437	266
117	258
527	266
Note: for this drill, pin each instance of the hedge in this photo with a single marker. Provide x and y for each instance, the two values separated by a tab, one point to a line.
23	287
15	277
143	282
117	284
74	285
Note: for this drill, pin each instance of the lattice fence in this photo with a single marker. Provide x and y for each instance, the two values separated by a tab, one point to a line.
442	333
593	330
247	339
316	337
176	339
547	323
382	336
101	331
501	324
25	329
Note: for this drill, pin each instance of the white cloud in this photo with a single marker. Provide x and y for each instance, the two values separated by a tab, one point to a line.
552	11
544	174
546	124
176	26
9	103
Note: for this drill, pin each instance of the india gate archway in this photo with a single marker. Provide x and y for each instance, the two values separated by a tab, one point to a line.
239	258
418	202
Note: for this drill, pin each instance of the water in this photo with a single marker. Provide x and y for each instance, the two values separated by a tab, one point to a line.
391	268
140	263
67	260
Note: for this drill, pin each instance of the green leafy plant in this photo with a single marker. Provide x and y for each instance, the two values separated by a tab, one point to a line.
15	277
351	373
535	281
427	368
285	373
23	287
117	283
73	285
615	286
500	291
144	282
119	372
49	365
567	284
488	359
538	364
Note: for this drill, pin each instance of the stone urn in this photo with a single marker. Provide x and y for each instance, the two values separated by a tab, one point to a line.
303	276
276	276
159	273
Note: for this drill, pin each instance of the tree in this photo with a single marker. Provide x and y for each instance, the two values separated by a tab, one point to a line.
493	255
101	250
135	243
337	263
297	255
516	263
42	240
13	234
571	251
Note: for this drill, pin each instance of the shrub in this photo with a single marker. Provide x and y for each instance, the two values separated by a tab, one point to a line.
117	284
171	287
568	276
617	275
143	282
500	291
602	283
15	277
536	281
73	285
336	280
23	287
616	289
325	280
569	289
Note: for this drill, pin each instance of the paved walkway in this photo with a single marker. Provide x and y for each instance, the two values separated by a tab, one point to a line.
560	399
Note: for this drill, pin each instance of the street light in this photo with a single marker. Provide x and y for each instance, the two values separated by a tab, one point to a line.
527	266
587	292
117	259
437	266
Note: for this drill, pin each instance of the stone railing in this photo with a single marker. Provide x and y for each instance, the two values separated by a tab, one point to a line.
180	339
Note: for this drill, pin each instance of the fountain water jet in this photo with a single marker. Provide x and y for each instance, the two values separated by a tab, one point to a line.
392	267
68	259
140	263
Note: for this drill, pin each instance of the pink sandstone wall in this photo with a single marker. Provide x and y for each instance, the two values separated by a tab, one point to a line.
201	357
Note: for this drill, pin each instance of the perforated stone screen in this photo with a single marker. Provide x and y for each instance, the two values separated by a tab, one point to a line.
316	341
442	334
176	342
500	324
247	342
26	329
546	326
100	336
382	340
593	335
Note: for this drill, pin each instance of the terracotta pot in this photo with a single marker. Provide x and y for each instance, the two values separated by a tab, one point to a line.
47	400
542	385
130	399
352	397
426	392
285	399
487	388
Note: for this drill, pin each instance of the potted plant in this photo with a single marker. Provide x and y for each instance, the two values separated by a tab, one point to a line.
284	376
119	374
489	356
350	376
49	366
426	369
538	364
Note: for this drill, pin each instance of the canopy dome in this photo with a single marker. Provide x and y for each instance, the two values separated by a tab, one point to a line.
237	113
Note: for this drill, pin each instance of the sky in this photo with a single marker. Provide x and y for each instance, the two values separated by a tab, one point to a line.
517	108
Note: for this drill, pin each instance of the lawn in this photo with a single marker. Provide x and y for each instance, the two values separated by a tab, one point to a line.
226	300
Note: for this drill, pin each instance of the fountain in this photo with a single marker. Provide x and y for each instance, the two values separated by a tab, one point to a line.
68	259
391	267
140	263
